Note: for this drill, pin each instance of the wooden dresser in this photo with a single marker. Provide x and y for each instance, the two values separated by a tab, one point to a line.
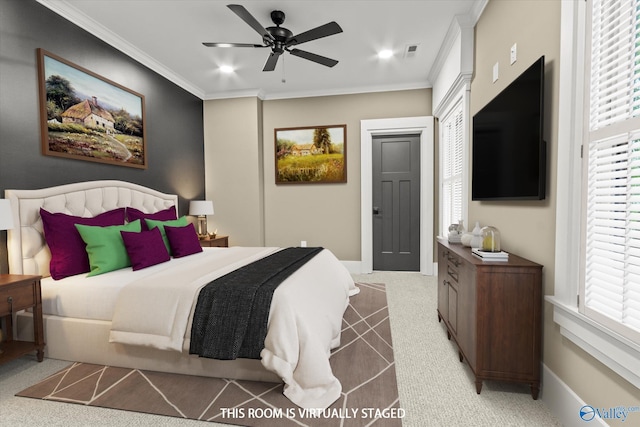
493	311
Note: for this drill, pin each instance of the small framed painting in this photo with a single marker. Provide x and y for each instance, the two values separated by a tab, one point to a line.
311	155
85	116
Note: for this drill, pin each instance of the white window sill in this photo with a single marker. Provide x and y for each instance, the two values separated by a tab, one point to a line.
616	352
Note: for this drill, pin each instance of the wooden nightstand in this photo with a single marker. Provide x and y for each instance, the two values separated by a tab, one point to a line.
218	241
18	292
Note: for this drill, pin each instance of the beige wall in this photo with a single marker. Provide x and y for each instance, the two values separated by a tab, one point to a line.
528	228
322	214
233	169
327	214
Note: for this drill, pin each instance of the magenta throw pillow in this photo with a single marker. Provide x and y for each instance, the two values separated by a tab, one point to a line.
163	215
183	240
145	248
68	253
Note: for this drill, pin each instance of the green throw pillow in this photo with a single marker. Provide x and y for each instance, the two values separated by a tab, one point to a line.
153	223
105	246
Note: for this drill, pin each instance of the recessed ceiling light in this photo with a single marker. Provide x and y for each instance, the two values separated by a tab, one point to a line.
385	54
227	69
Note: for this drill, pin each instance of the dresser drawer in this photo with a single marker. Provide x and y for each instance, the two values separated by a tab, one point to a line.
22	297
453	265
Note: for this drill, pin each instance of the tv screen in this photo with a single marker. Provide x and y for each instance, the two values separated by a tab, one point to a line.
509	153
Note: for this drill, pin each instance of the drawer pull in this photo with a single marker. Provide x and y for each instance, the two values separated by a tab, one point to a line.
452	273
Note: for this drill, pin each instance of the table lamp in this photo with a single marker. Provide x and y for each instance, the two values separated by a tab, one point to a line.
201	208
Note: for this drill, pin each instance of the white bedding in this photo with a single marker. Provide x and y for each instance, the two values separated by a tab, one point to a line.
94	298
146	308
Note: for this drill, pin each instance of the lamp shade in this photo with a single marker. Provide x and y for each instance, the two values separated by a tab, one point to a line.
200	207
6	216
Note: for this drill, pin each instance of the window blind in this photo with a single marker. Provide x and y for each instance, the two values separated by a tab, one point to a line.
611	254
452	141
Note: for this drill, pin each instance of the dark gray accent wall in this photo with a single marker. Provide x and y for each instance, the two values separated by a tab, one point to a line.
174	117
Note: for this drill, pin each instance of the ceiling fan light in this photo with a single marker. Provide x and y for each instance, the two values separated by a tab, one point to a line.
385	54
226	69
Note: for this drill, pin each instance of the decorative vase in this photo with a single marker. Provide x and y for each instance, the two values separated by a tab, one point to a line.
476	240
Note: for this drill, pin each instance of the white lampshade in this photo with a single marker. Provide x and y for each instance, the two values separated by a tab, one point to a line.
200	207
6	216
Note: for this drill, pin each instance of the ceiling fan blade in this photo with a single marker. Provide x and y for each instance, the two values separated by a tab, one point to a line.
270	65
316	33
323	60
232	45
249	19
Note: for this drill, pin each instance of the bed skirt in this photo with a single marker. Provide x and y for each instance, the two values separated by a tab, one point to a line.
81	340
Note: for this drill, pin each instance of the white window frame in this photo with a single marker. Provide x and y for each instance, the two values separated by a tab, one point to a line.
452	178
613	350
460	100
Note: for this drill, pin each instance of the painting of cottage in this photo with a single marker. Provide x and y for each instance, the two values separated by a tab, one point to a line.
311	154
89	114
85	116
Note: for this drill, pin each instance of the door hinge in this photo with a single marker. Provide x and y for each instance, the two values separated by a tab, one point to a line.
581	151
578	300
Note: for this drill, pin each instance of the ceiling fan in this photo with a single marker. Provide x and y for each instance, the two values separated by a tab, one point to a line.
280	39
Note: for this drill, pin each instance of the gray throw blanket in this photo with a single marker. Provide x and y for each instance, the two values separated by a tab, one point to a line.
230	318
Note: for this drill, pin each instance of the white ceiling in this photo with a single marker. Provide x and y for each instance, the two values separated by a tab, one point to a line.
167	37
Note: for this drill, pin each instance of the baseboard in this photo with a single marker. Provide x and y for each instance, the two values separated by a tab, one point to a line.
354	267
563	402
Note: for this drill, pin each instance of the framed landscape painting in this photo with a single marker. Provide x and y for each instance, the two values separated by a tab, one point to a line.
311	155
85	116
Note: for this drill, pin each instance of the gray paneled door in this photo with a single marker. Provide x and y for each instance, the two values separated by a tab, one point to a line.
396	203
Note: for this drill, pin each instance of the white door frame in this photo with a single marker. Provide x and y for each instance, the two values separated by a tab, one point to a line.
423	126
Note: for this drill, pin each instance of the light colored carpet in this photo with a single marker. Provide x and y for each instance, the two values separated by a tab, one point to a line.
435	388
368	383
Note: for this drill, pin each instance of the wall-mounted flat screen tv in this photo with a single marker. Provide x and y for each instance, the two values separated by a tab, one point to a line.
509	152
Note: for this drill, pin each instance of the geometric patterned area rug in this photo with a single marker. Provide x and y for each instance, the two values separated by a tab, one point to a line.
363	363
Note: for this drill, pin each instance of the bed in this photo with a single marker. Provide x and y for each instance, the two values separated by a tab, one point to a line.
88	319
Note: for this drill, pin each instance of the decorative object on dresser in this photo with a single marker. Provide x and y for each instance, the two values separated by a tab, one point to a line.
493	311
455	232
215	242
201	208
19	292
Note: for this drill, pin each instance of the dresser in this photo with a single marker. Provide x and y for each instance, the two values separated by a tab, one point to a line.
493	311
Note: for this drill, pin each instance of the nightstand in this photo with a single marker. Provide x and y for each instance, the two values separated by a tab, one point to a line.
19	292
218	241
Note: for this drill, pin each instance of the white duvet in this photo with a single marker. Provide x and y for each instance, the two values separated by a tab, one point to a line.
304	321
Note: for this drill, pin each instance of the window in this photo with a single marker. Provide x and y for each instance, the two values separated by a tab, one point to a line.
451	161
597	211
610	285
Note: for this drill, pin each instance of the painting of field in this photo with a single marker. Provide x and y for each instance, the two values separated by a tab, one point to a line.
311	155
85	116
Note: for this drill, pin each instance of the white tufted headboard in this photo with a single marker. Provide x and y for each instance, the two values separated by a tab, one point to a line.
26	247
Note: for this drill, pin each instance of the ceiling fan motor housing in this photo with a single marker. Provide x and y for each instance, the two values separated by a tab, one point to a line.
280	34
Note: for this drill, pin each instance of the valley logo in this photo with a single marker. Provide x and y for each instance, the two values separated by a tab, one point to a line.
589	413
